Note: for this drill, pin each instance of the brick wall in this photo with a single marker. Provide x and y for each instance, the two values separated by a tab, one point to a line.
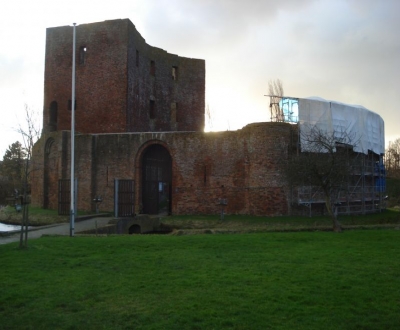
116	84
124	85
243	166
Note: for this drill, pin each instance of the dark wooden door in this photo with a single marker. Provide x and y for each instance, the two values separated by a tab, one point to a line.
156	180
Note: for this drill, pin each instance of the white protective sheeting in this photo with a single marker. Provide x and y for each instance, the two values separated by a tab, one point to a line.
365	126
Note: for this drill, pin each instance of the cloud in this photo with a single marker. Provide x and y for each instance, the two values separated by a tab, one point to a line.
217	24
346	50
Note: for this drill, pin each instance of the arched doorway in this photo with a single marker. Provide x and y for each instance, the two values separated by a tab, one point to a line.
156	180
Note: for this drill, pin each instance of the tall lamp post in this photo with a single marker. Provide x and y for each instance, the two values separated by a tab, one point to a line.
72	211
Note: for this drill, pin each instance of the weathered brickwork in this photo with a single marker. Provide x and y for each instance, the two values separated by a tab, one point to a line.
130	97
122	83
244	167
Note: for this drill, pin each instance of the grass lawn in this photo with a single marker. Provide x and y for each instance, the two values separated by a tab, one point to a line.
248	223
37	216
303	280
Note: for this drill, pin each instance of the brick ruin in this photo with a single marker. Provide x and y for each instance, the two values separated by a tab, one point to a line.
240	166
140	117
122	83
140	143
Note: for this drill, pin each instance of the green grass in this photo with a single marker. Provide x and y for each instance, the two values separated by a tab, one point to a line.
40	211
304	280
231	223
246	223
33	211
37	216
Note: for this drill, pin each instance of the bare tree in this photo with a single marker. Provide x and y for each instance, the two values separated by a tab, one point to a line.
392	159
275	87
325	164
30	133
209	118
275	90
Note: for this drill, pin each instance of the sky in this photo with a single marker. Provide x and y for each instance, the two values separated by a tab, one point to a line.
341	50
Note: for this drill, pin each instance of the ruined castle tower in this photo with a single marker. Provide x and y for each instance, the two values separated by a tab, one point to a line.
139	133
122	83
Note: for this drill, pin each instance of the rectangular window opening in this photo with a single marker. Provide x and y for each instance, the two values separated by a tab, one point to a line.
82	55
173	112
152	110
53	112
177	114
70	105
174	73
152	68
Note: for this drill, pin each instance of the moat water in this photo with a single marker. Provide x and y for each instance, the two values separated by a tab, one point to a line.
4	227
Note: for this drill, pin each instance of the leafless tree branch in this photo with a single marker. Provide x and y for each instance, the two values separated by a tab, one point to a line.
325	162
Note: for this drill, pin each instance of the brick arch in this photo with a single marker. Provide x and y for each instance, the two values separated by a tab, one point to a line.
47	147
144	146
139	172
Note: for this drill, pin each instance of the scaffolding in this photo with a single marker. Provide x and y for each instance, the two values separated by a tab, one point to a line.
364	193
284	109
365	188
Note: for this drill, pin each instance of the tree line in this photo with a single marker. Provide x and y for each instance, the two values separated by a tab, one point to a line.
12	171
392	159
15	169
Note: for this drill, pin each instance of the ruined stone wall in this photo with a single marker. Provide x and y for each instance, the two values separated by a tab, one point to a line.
165	91
122	83
101	76
243	166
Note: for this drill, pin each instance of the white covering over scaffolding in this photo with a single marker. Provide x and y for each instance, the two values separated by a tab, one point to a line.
366	126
